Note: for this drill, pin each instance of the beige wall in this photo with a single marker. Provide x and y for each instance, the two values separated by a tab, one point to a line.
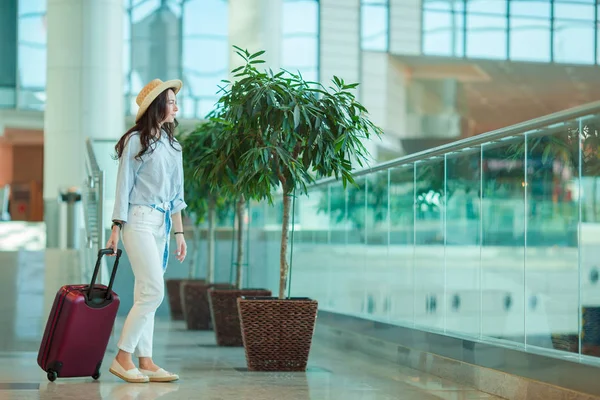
22	166
384	95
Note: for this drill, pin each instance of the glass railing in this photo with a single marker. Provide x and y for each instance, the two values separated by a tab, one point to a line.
494	238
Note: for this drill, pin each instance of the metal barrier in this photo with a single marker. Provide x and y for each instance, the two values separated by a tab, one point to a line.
93	204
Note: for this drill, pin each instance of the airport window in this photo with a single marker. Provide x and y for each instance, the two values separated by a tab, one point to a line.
561	31
191	38
300	38
374	21
443	28
31	54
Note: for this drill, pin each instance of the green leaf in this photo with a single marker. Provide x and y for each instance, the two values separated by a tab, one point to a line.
259	53
339	143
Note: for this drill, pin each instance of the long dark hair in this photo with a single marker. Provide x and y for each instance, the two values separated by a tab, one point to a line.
149	123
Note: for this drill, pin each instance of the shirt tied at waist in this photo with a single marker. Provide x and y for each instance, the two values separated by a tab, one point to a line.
165	208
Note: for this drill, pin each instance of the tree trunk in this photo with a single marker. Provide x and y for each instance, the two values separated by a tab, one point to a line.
283	264
240	242
194	259
210	265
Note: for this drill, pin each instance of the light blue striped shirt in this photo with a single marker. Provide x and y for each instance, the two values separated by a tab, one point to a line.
156	179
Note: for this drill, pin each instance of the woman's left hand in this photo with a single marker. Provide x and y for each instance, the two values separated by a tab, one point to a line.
181	250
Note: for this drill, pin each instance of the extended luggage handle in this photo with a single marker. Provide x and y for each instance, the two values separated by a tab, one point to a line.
101	253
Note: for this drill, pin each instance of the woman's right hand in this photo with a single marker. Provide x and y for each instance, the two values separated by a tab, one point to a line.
113	240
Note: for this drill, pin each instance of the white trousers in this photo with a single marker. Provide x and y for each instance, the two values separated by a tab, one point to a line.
144	238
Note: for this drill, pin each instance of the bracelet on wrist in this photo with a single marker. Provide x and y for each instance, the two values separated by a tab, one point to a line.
178	233
116	223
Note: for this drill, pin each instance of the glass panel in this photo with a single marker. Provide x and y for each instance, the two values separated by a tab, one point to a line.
204	30
442	5
205	83
31	61
7	97
272	237
486	36
312	255
187	106
573	11
299	52
574	42
374	27
300	38
205	106
589	193
378	271
438	33
458	38
463	242
27	7
551	280
497	7
529	39
350	267
300	17
144	9
402	244
205	17
339	230
598	36
503	240
536	9
429	244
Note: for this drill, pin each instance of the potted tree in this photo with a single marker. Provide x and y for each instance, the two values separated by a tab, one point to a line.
282	133
223	301
219	303
203	204
196	213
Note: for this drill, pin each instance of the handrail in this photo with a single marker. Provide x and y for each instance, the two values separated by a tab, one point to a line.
547	121
95	185
91	155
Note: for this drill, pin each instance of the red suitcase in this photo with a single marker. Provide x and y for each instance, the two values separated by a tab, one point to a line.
79	327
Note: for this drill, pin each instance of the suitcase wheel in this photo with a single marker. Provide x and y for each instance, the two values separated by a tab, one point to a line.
96	376
52	375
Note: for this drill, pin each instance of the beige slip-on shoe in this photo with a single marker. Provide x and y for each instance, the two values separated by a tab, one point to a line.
160	375
132	376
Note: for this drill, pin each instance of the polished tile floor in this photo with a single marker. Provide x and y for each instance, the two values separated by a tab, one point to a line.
29	282
210	372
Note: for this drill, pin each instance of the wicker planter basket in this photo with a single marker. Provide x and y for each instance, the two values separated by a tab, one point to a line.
225	315
590	334
174	297
277	334
196	310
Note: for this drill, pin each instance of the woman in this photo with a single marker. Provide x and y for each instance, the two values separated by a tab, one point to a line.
148	202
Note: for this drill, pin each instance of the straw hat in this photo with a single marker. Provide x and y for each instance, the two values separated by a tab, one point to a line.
151	92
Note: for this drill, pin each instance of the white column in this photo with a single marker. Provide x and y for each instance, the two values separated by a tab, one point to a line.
84	85
255	25
84	93
340	41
